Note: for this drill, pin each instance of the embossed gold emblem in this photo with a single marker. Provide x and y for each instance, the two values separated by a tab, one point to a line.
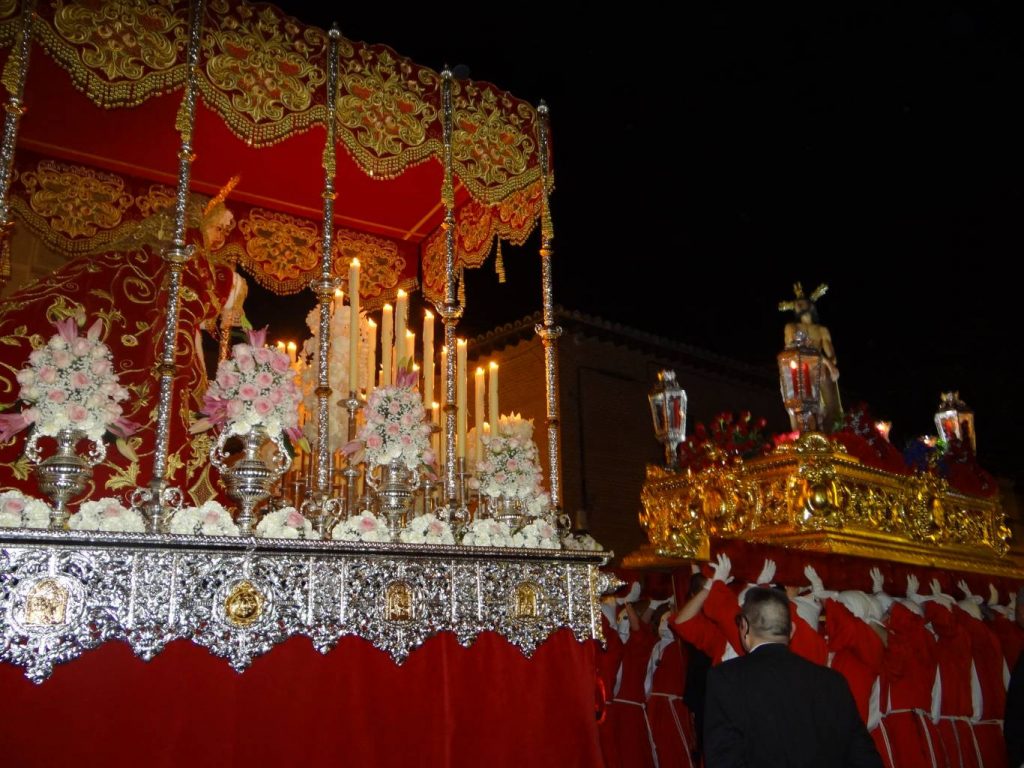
244	605
399	602
47	604
526	601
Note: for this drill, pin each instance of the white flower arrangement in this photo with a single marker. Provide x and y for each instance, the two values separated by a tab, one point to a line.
488	533
427	529
362	527
211	519
255	387
338	368
70	384
540	534
509	466
20	511
395	428
581	542
287	523
107	514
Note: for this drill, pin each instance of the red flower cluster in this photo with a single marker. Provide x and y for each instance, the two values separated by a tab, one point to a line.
727	438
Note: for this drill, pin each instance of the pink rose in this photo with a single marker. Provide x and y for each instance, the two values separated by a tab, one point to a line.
367	523
227	379
47	374
280	362
512	465
263	406
262	355
405	440
393	429
100	367
79	380
111	510
81	346
295	519
394	408
77	413
213	516
276	396
435	528
14	506
61	359
264	379
55	396
235	408
248	392
374	442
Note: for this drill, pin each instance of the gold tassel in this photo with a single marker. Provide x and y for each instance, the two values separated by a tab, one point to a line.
499	262
462	286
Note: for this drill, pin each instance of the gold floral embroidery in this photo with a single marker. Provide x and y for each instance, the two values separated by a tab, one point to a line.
279	247
491	143
380	265
119	51
7	8
262	65
76	201
380	100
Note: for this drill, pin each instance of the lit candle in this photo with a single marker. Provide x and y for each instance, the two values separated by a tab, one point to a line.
353	326
796	379
807	380
478	411
428	357
281	347
292	349
387	341
401	317
410	346
371	357
492	395
460	398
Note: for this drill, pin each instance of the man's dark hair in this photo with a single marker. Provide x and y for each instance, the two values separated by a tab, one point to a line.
767	613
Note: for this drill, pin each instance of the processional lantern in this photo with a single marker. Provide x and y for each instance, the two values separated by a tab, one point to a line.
668	411
800	370
955	420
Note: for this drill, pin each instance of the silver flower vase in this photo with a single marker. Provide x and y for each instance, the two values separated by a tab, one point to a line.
395	493
64	475
248	479
507	510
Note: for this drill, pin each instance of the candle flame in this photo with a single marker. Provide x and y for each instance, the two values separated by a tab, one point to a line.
337	293
792	364
493	366
388	308
292	346
372	324
479	371
355	263
402	294
428	314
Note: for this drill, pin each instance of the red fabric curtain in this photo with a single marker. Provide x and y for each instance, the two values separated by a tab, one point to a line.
445	706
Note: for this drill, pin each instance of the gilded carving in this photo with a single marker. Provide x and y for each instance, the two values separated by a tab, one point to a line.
812	494
46	604
76	201
243	606
399	602
526	601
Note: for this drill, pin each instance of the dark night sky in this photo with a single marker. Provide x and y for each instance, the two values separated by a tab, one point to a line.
724	155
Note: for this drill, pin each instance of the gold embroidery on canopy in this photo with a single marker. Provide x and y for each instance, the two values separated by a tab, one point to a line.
118	52
263	70
279	248
75	200
380	265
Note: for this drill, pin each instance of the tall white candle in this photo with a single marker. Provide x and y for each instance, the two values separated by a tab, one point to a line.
371	357
428	357
353	326
387	341
492	396
292	349
401	318
410	347
478	412
460	397
437	440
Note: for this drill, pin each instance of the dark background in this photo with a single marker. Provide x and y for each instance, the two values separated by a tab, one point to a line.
708	157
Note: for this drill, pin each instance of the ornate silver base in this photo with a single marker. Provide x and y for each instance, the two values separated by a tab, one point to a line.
249	479
64	475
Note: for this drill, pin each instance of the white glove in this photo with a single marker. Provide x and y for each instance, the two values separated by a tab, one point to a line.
633	596
694	568
877	581
817	585
993	594
939	597
968	595
912	586
767	573
1012	604
654	605
722	569
936	587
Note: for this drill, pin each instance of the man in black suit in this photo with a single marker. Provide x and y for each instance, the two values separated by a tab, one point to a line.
774	709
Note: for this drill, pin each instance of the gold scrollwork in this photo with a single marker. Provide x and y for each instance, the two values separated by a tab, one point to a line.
382	104
77	201
46	604
262	62
399	602
380	264
243	606
489	141
812	494
279	246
